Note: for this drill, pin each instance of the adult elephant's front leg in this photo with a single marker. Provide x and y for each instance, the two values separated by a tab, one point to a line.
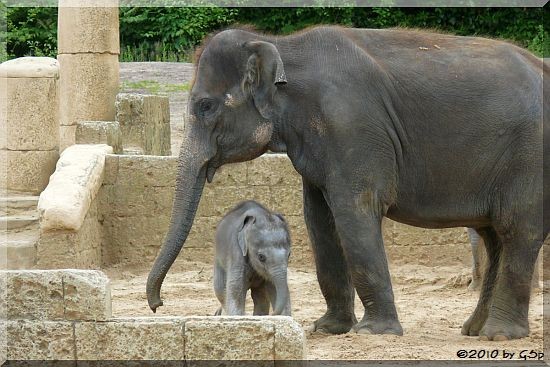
359	228
332	273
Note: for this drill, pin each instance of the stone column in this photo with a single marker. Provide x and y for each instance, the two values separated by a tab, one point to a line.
29	118
88	50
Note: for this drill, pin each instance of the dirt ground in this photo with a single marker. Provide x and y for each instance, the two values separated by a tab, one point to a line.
432	303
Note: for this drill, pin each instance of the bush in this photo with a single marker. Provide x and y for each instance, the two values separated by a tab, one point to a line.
170	34
159	33
31	32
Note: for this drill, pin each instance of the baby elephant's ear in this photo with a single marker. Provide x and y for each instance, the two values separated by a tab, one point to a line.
281	217
241	236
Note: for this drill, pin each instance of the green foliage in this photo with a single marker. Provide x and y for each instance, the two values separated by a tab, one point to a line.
31	32
171	33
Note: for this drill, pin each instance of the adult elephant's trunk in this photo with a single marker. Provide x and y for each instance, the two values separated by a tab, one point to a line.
281	287
189	185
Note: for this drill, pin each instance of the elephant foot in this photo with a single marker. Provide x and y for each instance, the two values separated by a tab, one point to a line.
497	330
378	327
334	324
473	325
218	312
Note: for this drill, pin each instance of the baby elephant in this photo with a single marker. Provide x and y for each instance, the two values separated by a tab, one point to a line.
252	251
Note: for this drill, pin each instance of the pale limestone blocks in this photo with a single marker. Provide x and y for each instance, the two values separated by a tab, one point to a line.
57	295
66	315
100	132
144	123
88	46
70	232
29	135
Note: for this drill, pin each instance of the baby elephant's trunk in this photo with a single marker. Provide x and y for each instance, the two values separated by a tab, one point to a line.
283	296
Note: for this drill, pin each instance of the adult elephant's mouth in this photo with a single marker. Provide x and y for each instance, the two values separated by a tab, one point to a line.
210	172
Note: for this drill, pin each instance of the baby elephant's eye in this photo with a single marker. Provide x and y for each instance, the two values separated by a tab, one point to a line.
261	257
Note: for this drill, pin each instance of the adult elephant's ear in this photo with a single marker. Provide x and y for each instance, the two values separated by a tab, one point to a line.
264	72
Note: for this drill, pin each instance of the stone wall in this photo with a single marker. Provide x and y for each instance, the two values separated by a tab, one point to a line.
29	123
144	123
71	234
88	46
66	315
136	202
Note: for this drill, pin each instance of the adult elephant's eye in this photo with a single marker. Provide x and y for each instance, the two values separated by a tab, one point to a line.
261	257
206	106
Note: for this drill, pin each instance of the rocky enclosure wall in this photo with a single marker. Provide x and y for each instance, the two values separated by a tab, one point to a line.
135	202
66	315
70	229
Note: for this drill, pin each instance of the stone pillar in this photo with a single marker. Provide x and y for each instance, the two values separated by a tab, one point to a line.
29	118
88	47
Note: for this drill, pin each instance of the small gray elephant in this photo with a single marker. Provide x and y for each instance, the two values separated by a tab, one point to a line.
479	259
252	252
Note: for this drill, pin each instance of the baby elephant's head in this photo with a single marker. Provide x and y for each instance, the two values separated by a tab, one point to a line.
266	242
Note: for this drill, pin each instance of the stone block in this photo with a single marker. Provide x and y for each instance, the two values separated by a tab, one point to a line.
145	170
27	171
273	170
110	172
290	341
88	84
87	295
31	114
133	239
75	183
34	294
235	339
72	249
57	295
100	132
146	201
67	136
30	67
287	200
40	340
75	26
216	201
19	255
404	235
144	122
131	339
230	175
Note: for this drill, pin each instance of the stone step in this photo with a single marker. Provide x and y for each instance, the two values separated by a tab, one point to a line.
17	204
18	221
20	254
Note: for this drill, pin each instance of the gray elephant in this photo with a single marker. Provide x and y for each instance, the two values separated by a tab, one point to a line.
252	251
479	262
379	123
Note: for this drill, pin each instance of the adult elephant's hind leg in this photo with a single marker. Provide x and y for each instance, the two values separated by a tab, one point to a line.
508	313
493	248
332	272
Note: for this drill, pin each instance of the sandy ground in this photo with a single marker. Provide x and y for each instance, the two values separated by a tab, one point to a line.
432	302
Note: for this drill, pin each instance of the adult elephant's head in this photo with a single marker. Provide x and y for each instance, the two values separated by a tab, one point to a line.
231	101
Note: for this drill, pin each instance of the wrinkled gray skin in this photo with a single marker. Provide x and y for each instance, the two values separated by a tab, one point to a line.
479	262
378	126
252	251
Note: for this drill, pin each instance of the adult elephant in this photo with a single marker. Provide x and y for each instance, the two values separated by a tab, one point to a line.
427	129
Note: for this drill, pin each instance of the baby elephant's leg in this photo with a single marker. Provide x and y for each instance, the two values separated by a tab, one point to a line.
236	293
260	297
219	287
